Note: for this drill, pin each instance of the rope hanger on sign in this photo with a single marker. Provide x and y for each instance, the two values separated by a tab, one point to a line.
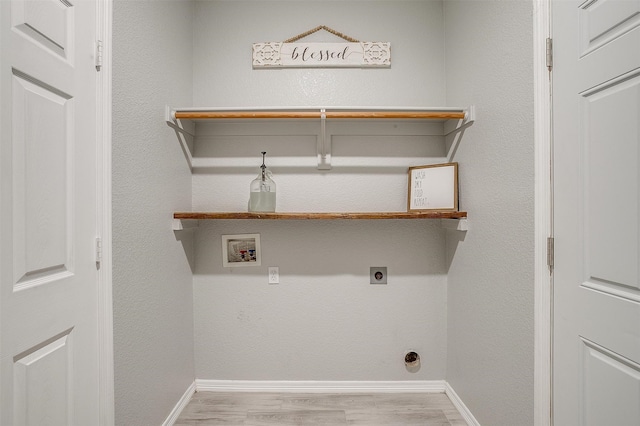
318	28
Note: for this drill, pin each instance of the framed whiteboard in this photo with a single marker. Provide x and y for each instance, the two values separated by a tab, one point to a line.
433	187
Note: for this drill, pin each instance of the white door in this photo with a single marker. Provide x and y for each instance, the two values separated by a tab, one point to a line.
48	213
596	116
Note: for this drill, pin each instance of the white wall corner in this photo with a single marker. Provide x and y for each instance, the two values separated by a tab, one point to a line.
462	408
184	400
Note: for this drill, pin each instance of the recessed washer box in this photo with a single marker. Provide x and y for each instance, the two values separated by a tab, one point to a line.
378	275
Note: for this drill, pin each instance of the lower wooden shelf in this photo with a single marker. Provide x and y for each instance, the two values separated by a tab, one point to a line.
456	221
319	216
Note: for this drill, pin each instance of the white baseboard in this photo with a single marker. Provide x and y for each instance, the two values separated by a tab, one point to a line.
184	400
433	386
457	402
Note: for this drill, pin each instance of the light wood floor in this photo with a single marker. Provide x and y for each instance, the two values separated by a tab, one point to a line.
258	409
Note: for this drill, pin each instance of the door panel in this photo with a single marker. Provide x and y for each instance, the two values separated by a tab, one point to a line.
46	22
596	138
611	387
42	385
48	213
603	21
610	177
42	142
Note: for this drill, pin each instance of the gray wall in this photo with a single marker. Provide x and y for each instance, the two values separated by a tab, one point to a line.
491	277
466	304
225	30
152	281
324	321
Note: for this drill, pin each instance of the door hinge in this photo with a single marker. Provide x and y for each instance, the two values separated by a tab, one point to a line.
98	55
549	61
550	248
98	252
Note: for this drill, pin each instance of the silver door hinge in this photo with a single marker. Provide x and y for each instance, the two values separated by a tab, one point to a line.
98	55
549	54
98	252
550	248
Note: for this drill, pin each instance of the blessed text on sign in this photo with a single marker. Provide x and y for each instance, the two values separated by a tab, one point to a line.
321	55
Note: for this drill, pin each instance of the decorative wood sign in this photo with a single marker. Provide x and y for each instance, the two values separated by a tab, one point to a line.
433	187
353	54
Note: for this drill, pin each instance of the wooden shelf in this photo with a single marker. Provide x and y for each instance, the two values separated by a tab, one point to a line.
319	216
445	122
257	114
187	121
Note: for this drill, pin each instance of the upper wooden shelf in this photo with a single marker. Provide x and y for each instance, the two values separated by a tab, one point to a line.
320	216
450	120
319	114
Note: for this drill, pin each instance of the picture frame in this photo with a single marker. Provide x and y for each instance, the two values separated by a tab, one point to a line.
433	187
241	250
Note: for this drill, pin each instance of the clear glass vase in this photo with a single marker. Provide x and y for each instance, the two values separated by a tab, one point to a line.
262	196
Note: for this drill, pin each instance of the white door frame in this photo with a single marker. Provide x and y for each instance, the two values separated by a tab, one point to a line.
105	283
543	216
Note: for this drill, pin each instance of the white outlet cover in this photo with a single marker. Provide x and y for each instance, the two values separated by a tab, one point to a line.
274	275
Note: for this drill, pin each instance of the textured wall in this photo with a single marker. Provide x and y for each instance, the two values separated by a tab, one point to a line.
491	277
225	31
324	321
152	281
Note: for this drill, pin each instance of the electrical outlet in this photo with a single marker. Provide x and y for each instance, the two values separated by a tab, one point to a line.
378	275
274	275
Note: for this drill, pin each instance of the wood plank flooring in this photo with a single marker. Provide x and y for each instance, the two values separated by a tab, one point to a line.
270	408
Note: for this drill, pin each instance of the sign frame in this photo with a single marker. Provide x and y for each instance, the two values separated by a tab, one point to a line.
433	187
322	55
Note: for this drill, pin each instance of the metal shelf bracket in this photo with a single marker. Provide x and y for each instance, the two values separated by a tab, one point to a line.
456	130
184	224
455	224
185	132
324	143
